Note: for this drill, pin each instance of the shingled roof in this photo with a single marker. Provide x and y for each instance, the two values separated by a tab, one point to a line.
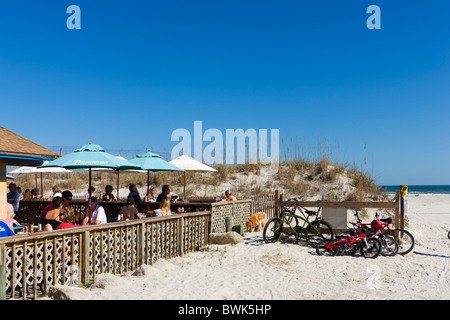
13	145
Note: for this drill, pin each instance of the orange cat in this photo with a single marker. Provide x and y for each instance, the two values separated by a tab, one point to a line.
256	221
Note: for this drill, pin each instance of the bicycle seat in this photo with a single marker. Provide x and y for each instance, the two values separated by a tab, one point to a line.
387	220
310	212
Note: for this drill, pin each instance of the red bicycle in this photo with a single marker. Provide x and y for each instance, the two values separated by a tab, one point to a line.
368	245
404	238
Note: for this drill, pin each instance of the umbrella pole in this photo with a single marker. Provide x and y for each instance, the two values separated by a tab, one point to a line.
148	181
184	187
117	185
89	200
42	188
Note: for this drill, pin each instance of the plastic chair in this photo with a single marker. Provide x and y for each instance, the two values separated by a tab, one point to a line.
18	226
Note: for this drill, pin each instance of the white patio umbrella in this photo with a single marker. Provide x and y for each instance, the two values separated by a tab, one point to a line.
190	164
39	171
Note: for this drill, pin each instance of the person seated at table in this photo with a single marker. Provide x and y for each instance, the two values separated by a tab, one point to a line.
97	213
165	194
68	218
66	196
164	210
5	231
129	212
31	194
90	193
230	196
151	195
52	219
134	193
56	191
108	196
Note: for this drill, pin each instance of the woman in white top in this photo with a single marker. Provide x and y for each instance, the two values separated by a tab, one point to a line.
56	192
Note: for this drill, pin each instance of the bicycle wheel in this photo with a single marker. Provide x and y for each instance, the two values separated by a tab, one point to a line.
371	249
389	247
404	239
272	230
318	230
323	250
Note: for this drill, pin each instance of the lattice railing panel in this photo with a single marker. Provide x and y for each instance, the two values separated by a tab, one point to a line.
239	210
36	262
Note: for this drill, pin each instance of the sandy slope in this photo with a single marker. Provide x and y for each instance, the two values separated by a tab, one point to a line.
285	270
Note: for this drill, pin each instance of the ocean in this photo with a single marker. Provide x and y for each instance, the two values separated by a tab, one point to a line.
420	189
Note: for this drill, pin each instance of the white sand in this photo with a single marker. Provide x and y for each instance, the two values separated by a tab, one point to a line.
285	270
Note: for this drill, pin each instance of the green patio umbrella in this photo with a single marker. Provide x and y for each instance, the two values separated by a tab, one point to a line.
90	156
152	162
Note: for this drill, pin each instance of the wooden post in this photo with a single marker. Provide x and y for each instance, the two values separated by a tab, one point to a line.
229	223
2	273
397	208
141	244
180	236
402	211
277	203
84	254
207	229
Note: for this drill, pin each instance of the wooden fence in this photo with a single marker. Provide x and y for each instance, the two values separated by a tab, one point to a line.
33	263
396	204
264	203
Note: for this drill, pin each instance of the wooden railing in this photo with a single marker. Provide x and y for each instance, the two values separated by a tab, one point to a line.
33	263
30	210
239	210
396	204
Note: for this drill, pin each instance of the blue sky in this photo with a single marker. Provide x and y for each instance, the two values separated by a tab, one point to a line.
138	70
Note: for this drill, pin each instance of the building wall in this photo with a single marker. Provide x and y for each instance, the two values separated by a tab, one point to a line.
3	190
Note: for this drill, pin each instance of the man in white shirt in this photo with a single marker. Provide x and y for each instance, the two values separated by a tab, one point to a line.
98	215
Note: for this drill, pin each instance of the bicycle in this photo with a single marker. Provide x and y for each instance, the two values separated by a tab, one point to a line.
313	231
389	246
368	245
404	238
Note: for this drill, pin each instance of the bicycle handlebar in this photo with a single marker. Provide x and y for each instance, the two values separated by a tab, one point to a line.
295	199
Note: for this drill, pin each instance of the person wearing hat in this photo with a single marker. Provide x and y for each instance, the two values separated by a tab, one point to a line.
98	215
